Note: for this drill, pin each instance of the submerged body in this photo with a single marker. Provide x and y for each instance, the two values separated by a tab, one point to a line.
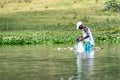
80	50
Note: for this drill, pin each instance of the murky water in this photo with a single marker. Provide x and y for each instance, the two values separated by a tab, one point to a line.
47	63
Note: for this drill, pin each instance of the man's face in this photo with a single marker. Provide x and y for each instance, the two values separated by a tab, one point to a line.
80	27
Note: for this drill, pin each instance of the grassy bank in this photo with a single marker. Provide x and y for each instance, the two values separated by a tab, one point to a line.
55	15
57	20
54	22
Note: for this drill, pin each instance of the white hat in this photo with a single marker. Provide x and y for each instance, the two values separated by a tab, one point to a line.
78	24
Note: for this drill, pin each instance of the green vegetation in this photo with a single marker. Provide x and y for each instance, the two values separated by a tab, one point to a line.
113	5
50	37
38	38
54	22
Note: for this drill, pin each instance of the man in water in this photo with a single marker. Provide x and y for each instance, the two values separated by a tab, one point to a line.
87	36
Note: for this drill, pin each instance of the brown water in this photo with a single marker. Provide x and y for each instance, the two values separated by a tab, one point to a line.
47	63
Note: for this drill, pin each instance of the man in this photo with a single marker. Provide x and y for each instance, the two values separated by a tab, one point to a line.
87	36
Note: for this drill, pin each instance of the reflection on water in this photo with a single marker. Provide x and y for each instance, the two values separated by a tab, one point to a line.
85	67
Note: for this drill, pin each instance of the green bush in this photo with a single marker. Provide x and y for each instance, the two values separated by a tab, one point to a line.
112	5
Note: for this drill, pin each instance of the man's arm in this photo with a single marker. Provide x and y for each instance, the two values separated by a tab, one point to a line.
87	34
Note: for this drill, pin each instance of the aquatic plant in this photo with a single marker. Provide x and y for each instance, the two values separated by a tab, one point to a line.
55	37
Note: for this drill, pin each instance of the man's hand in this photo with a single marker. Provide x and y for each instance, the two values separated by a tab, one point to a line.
80	38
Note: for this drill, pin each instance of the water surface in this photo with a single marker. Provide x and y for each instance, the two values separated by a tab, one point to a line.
39	62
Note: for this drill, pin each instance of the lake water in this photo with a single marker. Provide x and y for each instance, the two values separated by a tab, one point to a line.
39	62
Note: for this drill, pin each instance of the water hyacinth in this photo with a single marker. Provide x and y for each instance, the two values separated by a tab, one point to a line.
55	37
107	38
